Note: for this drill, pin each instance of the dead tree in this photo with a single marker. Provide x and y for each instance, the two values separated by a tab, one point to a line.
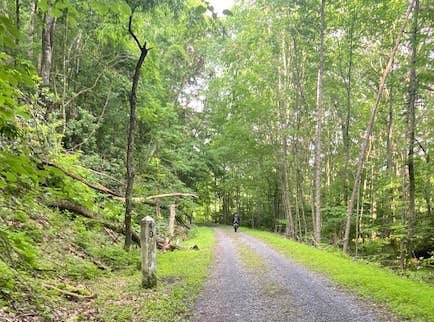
131	133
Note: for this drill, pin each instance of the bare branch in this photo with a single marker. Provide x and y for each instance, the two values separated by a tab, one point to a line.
82	91
132	33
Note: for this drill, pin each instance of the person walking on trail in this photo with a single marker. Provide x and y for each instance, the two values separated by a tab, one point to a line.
236	222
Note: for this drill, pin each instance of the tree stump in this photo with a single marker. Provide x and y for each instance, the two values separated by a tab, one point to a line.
172	216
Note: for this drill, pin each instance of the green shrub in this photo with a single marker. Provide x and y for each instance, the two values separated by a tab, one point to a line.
18	247
79	269
7	281
117	257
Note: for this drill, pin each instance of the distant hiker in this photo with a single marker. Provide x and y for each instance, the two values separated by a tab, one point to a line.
236	222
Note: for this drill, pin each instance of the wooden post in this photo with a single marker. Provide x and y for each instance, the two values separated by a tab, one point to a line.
148	244
172	219
157	208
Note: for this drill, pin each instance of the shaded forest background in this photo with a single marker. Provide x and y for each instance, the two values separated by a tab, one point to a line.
260	112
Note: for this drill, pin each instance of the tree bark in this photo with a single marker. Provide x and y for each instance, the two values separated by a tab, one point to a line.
17	21
389	165
346	129
368	131
48	29
319	106
411	128
131	134
33	11
172	216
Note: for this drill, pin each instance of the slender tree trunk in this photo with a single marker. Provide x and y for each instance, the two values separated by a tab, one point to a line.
368	131
48	29
33	11
65	77
131	134
286	196
389	165
411	129
346	130
319	112
17	21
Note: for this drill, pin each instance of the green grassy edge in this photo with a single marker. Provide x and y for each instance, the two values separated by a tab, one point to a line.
181	275
409	299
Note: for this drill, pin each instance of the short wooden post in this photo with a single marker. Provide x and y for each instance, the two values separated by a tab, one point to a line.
172	215
157	208
148	244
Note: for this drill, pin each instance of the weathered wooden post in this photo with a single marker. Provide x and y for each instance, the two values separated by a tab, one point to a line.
172	216
148	244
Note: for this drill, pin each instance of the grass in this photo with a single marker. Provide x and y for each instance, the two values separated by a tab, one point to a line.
251	259
181	275
410	299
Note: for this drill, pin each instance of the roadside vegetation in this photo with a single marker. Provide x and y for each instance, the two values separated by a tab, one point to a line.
63	267
181	275
114	110
411	299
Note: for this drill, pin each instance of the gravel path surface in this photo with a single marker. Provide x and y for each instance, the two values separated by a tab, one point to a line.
249	281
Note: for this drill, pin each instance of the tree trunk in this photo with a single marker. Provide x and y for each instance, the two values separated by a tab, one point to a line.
389	166
131	134
286	196
368	131
17	21
48	29
411	128
346	128
33	12
172	216
319	106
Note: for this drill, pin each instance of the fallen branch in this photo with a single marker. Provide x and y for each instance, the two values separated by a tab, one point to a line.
94	186
173	194
181	222
83	211
70	294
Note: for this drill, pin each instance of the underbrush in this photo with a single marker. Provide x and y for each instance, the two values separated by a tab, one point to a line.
58	266
181	275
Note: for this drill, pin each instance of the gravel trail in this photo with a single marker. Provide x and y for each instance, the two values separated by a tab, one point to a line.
249	281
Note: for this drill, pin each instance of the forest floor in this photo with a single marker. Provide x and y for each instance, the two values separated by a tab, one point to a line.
249	281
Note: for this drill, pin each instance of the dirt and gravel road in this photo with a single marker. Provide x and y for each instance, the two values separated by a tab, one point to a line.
249	281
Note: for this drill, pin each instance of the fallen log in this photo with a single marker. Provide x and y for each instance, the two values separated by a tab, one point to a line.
83	211
94	186
98	187
173	194
71	294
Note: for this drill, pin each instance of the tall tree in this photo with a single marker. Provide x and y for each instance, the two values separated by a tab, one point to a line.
411	126
131	133
319	115
368	131
48	34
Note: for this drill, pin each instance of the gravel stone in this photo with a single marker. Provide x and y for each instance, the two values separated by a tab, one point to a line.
281	291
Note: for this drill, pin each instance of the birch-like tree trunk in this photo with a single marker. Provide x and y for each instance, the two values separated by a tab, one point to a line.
319	115
33	11
368	131
48	29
